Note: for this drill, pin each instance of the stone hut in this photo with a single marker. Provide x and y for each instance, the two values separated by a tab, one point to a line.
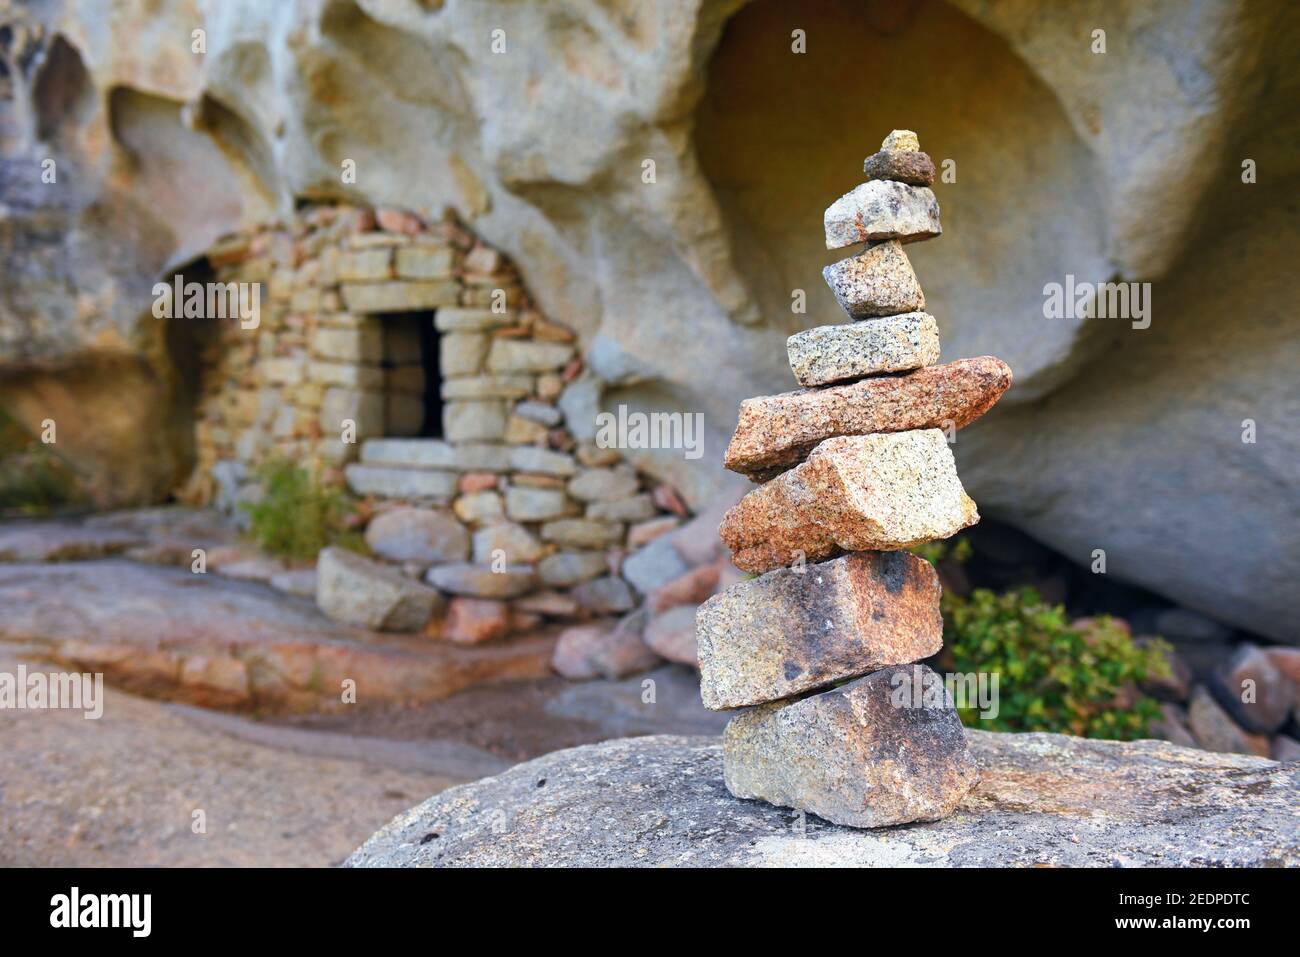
407	360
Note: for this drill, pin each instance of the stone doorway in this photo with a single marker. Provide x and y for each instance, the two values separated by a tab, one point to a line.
412	375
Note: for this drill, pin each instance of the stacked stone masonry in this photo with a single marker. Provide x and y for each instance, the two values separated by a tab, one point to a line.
822	648
502	523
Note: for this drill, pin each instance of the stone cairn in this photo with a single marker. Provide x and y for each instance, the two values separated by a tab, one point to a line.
822	649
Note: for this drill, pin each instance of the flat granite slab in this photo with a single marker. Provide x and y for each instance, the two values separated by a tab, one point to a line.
1044	799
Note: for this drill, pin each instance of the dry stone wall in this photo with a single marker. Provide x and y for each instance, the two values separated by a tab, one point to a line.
500	522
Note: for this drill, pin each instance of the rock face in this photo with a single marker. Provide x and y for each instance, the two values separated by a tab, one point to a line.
791	630
660	802
777	431
235	137
871	753
882	491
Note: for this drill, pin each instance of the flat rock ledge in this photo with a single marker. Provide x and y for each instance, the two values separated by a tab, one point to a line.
1044	799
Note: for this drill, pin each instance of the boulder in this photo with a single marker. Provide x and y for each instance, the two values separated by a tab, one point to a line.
659	801
359	591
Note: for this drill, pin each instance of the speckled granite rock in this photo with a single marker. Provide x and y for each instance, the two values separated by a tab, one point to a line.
787	632
827	354
777	431
879	281
866	754
1042	800
882	209
904	166
865	492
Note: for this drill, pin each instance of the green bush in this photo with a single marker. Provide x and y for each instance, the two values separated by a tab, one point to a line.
297	516
1054	677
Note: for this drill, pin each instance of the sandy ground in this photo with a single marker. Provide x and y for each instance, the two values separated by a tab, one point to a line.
123	790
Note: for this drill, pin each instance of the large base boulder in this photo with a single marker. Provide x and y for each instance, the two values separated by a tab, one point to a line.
1044	800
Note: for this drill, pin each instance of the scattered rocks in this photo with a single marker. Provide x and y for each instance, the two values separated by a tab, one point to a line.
602	651
1257	694
867	492
671	635
471	621
358	591
777	431
1214	729
828	354
790	630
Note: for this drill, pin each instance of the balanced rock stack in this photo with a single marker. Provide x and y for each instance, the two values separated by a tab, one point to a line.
856	468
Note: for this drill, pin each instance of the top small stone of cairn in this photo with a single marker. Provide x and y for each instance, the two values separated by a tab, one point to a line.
841	721
899	140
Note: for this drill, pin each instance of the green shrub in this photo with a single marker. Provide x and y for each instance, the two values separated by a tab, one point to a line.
297	515
1052	677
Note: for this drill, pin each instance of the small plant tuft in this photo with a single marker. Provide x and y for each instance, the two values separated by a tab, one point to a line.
297	515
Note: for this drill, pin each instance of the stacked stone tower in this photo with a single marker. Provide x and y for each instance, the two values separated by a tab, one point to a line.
856	468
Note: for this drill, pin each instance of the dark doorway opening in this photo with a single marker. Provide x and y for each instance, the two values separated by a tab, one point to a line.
412	377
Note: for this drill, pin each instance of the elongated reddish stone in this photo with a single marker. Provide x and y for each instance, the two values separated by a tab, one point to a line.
778	431
877	492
